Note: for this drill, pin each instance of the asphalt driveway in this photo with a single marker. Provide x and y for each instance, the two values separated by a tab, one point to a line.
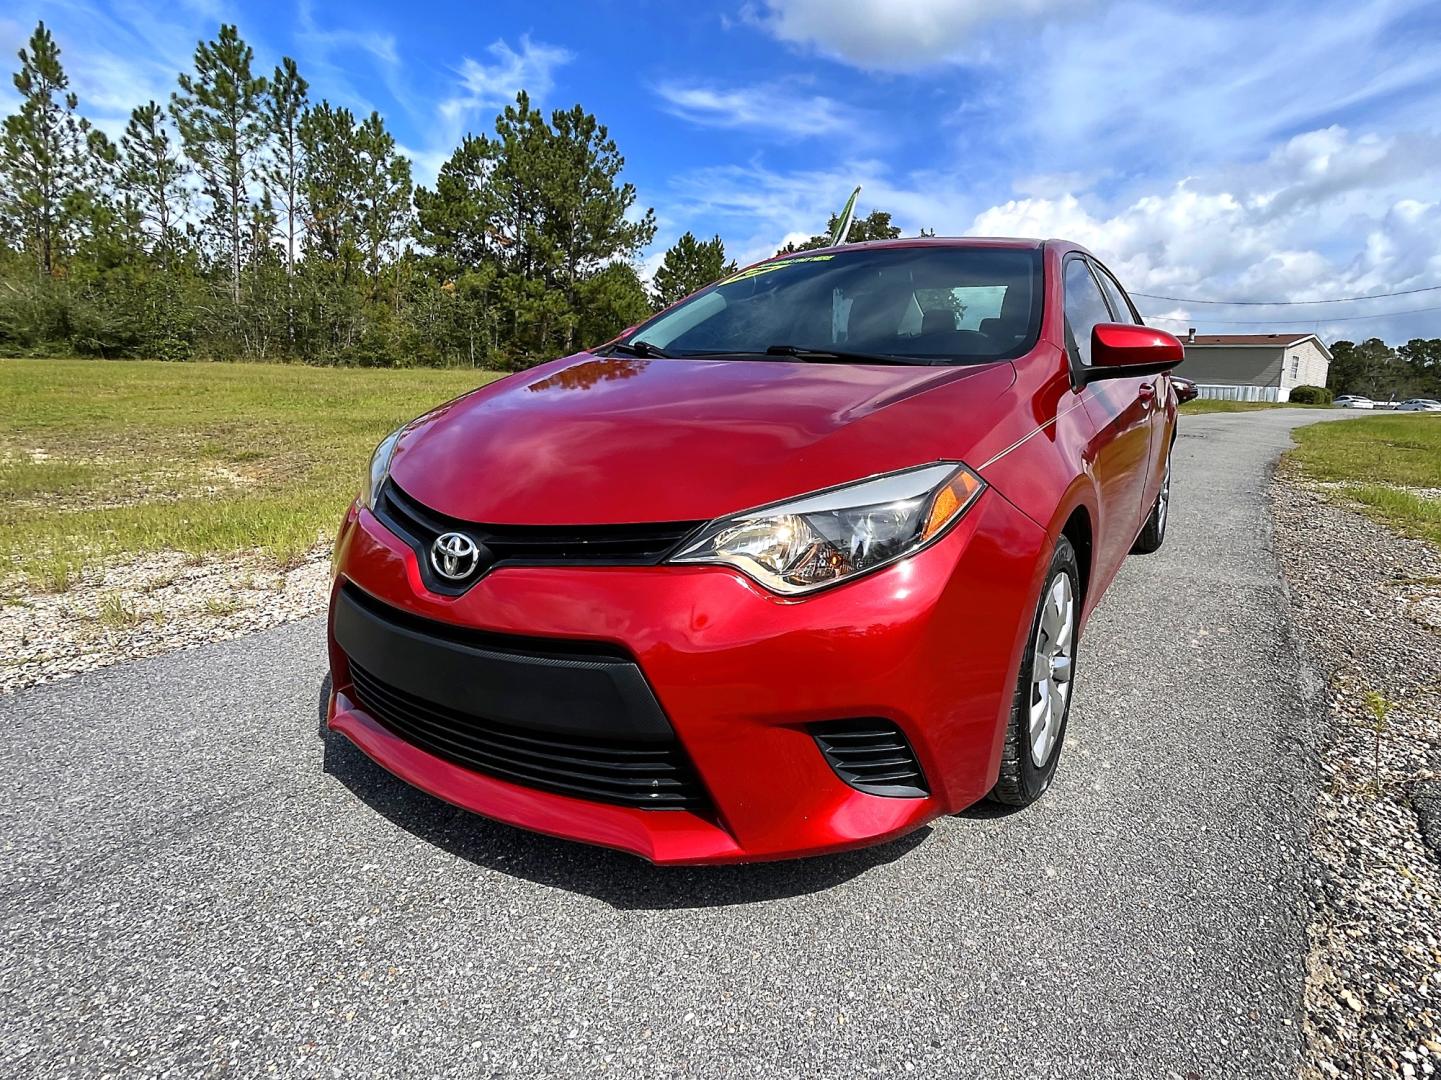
196	882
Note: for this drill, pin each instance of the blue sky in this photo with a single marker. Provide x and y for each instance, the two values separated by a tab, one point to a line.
1270	151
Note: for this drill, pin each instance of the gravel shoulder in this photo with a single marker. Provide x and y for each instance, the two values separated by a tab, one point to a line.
148	606
1367	607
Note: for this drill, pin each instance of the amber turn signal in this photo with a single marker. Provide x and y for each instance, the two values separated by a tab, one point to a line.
953	497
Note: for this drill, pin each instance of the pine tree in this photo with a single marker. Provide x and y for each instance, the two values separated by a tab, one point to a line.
328	184
220	114
151	174
690	265
586	223
43	156
382	196
456	220
284	106
543	202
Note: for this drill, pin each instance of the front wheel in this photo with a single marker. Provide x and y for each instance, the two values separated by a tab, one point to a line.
1153	533
1043	690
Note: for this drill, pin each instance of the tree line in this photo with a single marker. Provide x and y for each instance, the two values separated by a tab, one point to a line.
1376	370
242	219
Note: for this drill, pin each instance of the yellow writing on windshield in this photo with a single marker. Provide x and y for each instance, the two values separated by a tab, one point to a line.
767	267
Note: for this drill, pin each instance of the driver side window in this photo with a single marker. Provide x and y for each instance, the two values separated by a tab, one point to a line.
1085	307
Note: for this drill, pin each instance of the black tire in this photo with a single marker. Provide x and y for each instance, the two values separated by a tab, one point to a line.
1022	781
1153	533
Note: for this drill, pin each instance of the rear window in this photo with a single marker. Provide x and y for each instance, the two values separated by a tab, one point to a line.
929	305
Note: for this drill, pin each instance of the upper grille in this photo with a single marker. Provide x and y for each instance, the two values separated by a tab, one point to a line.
528	545
872	756
649	775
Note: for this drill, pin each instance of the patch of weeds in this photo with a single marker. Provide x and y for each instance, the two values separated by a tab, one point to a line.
117	613
219	607
53	574
1423	580
1379	707
162	582
1405	511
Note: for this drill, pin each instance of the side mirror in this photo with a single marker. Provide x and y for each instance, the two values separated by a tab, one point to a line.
1124	351
1185	389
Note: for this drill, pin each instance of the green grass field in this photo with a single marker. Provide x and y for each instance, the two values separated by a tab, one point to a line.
103	459
1384	463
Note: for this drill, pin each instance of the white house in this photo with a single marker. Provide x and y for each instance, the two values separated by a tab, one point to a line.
1254	367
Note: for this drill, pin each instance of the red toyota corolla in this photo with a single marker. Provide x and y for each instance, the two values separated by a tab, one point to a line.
797	565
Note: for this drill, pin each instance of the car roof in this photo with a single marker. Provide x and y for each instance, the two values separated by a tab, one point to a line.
1004	242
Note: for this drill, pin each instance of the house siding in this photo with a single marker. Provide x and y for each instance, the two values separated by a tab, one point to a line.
1311	364
1230	365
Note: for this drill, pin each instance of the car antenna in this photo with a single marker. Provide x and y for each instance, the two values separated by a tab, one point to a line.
843	223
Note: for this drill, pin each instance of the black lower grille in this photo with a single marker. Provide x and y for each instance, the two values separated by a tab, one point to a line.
649	775
872	756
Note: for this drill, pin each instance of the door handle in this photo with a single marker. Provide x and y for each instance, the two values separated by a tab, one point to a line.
1147	393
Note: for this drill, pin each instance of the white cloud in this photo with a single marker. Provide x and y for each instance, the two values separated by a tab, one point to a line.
1326	214
495	84
1134	87
487	88
770	107
1148	88
903	35
425	164
117	57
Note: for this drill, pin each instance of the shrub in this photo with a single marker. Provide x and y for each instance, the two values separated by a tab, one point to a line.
1311	395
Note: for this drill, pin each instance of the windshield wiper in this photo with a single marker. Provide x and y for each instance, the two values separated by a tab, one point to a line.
831	356
643	349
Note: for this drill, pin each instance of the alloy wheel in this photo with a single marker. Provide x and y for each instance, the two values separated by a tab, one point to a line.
1051	667
1163	503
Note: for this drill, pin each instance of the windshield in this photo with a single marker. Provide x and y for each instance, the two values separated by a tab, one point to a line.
923	305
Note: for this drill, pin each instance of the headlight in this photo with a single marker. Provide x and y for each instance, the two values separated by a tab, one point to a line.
379	468
818	540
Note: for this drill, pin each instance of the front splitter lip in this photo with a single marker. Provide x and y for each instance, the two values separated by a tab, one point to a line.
663	837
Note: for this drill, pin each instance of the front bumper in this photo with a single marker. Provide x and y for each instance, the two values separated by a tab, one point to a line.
737	678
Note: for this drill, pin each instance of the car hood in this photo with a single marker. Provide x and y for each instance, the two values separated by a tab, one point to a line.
606	440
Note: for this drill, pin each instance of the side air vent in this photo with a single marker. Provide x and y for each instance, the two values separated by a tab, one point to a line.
872	756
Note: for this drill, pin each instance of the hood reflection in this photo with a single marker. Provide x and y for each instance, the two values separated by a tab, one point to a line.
591	373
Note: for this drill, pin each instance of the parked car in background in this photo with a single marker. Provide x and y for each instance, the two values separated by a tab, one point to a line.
798	565
1353	401
1419	404
1185	389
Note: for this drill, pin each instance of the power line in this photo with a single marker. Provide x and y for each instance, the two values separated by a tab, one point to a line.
1289	303
1280	322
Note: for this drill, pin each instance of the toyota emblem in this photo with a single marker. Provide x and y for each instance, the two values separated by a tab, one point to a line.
454	556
